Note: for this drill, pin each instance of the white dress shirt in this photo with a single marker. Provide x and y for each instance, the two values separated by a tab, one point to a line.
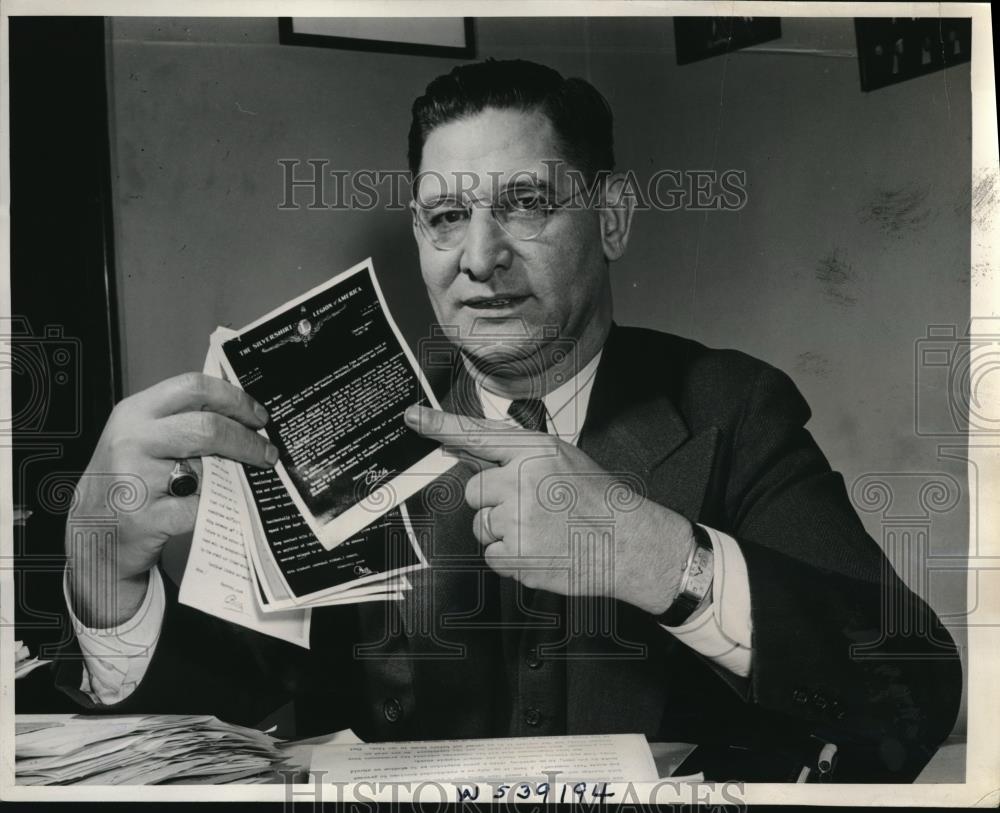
115	659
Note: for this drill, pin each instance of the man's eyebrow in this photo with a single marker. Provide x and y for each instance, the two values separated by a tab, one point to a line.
438	200
532	183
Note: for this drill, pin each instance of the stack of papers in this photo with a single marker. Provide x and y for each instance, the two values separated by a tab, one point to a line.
328	525
67	749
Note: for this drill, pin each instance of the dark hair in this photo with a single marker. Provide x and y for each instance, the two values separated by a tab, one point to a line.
580	115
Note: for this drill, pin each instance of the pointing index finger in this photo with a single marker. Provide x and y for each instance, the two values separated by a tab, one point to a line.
494	441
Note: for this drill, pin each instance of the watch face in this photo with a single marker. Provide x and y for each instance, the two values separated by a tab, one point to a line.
700	574
697	583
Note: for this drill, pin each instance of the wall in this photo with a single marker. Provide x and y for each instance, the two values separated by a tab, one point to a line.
854	239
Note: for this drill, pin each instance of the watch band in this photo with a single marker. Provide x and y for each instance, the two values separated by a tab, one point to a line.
696	581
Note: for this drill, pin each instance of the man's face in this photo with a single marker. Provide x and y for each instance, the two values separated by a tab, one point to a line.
492	284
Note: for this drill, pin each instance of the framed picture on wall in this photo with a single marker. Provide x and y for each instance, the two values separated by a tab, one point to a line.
421	36
892	50
703	37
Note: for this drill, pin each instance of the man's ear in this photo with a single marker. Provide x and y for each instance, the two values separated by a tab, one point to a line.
413	221
616	217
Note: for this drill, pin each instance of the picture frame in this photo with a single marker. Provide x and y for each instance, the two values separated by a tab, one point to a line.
698	38
452	37
894	49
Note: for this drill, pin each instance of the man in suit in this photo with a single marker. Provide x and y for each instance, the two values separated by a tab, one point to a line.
641	535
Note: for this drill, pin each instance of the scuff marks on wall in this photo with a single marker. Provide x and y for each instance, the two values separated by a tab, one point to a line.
838	278
898	212
812	363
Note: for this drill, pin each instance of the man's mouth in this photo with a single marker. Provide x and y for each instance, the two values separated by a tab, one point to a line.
494	302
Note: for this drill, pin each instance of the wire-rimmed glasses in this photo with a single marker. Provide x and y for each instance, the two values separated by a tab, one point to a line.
522	211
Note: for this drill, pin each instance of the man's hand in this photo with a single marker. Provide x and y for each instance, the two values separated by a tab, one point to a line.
181	418
534	493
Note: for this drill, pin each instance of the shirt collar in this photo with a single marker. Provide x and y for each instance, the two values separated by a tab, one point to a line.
565	406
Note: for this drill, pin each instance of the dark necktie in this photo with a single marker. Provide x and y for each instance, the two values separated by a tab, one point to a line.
529	412
531	618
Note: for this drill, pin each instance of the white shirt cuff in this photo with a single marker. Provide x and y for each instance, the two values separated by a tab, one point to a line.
115	659
723	632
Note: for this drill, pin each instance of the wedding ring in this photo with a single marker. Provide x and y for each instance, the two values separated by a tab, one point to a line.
486	523
183	481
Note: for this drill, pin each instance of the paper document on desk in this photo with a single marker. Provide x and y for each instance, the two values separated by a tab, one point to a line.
591	758
69	749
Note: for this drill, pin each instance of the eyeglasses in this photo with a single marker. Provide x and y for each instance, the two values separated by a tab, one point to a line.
523	212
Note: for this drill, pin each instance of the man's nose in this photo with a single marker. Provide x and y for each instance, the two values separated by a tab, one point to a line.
486	248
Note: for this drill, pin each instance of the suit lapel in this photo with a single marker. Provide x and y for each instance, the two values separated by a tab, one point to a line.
634	427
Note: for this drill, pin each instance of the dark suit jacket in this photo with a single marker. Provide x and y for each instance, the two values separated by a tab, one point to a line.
717	436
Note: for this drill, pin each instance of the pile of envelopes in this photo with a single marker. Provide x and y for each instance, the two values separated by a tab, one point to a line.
64	749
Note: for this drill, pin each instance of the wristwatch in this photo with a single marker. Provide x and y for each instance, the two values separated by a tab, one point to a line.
696	581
